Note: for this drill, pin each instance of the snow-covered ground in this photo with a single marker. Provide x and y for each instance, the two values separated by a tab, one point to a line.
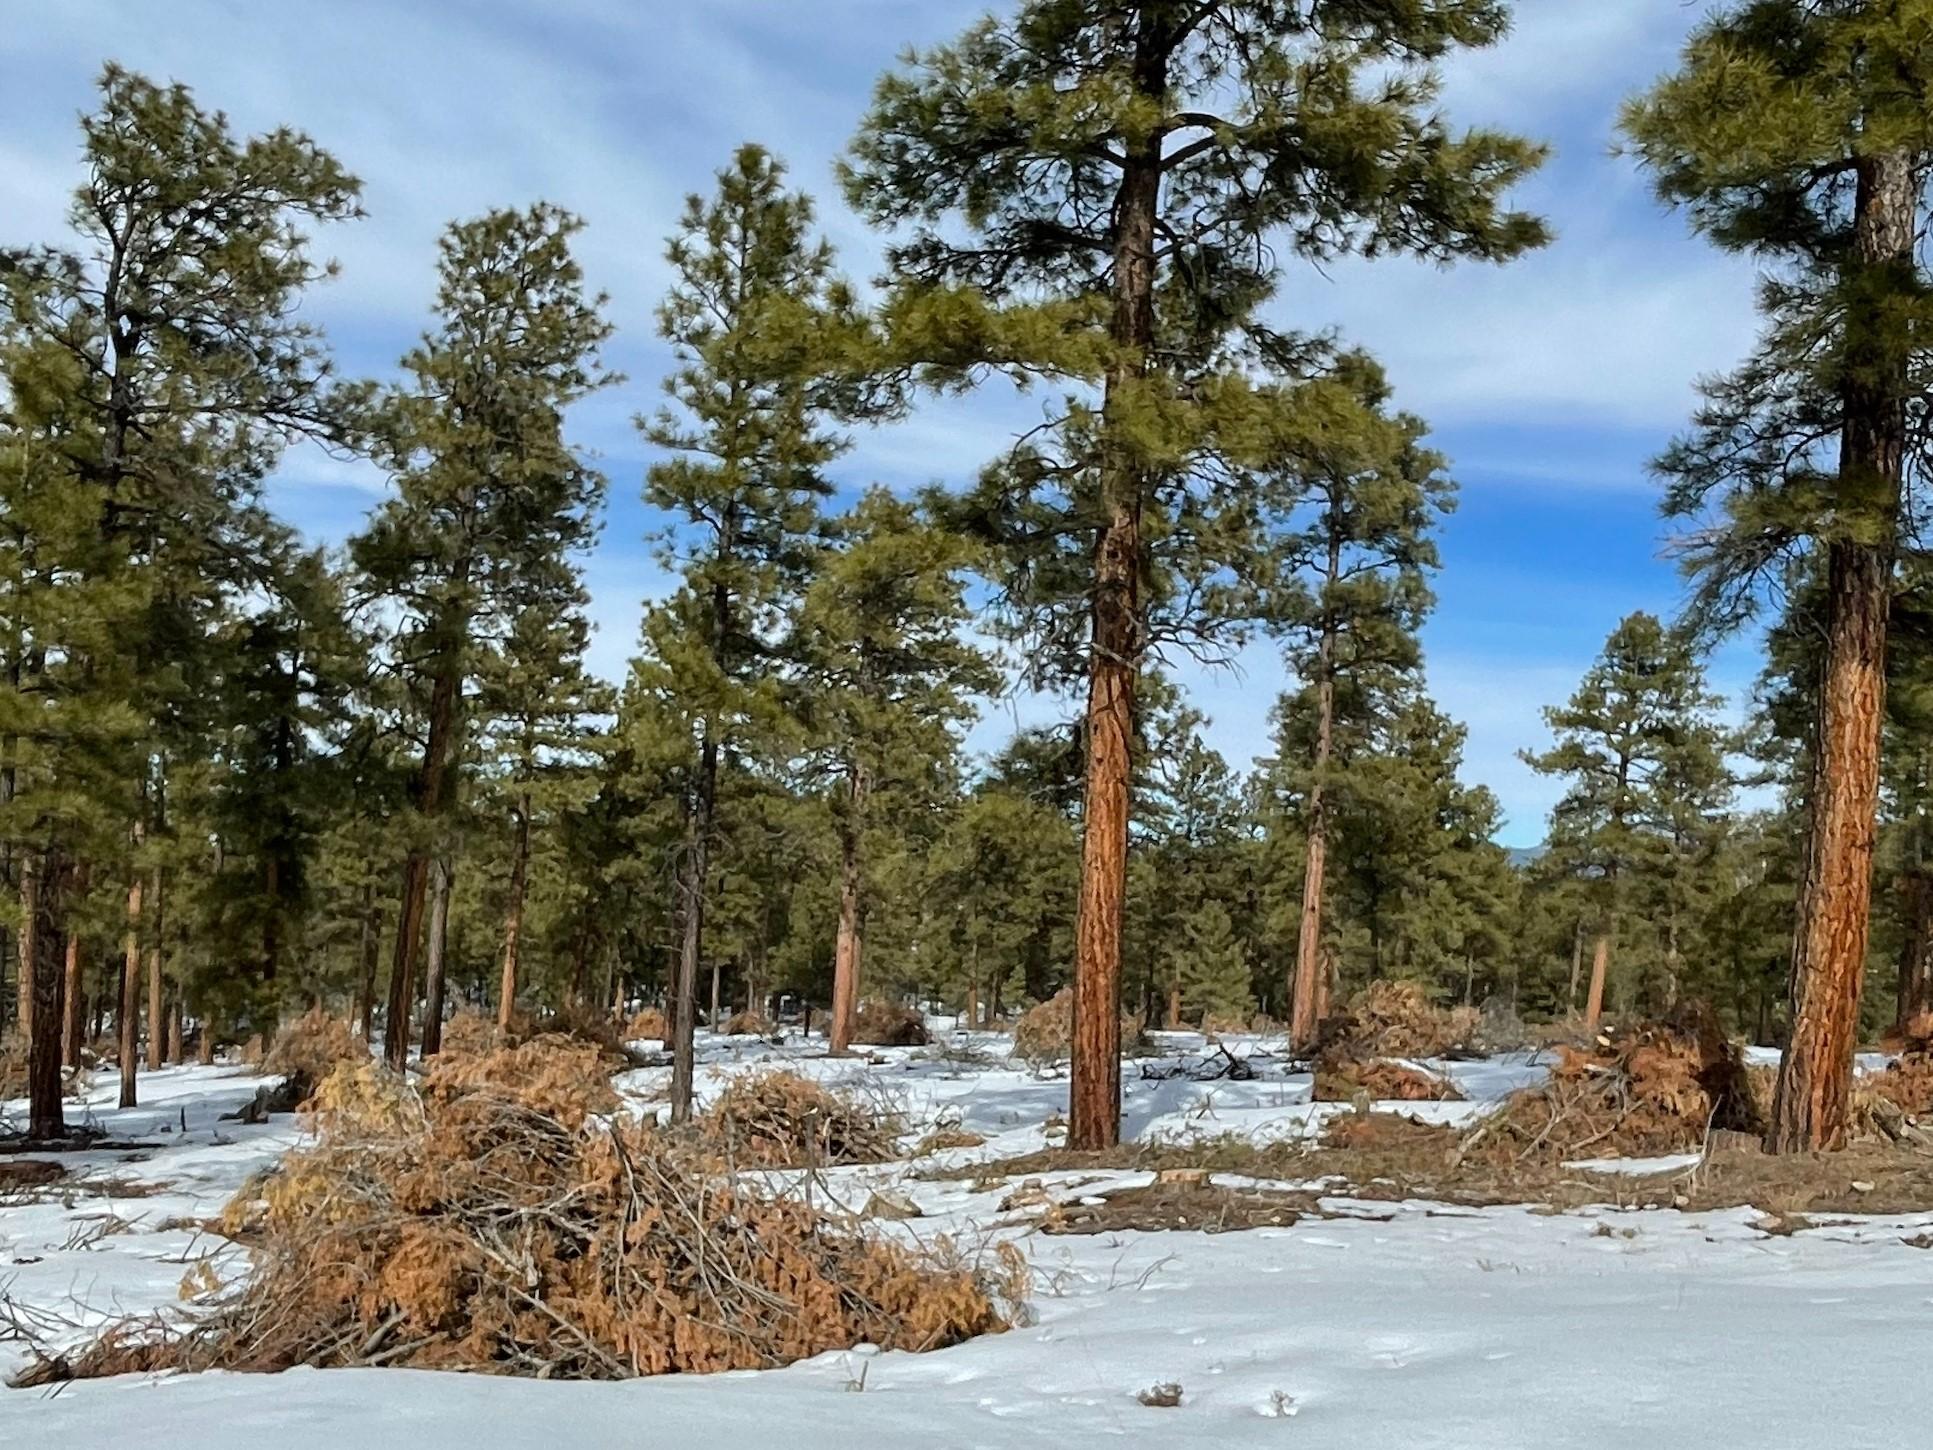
1411	1325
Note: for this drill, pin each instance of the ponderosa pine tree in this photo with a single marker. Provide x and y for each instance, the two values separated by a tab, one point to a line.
1370	494
886	681
492	505
1643	754
765	335
1106	191
540	707
1797	131
168	352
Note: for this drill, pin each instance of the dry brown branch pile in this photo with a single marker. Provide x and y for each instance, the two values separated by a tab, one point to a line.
494	1221
469	1033
1044	1033
1649	1089
781	1120
1907	1082
306	1051
647	1025
889	1024
1343	1080
744	1023
1397	1019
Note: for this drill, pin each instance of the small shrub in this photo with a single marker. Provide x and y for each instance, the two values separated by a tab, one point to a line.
889	1024
781	1120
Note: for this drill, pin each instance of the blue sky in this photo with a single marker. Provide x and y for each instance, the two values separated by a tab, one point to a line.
1549	383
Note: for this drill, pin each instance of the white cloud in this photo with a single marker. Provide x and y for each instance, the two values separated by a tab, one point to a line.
617	108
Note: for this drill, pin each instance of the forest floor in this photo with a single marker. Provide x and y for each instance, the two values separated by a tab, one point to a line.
1365	1316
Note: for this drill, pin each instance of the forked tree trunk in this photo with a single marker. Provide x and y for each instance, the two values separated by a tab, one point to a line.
431	784
157	986
846	945
441	874
1600	968
1811	1106
1116	632
130	1022
513	919
44	903
684	990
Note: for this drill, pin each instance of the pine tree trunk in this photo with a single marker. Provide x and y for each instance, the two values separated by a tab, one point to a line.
972	1013
1811	1106
74	1027
44	902
1915	947
29	925
430	790
1116	632
1577	965
1174	1006
684	993
130	1022
441	874
1600	968
157	987
367	951
513	921
846	947
174	1030
205	1041
1308	938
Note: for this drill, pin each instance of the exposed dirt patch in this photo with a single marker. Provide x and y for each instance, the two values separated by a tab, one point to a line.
1388	1156
1188	1202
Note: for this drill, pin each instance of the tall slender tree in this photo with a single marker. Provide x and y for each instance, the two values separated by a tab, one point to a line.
1796	131
183	367
492	504
763	330
1366	496
886	680
1106	191
1644	757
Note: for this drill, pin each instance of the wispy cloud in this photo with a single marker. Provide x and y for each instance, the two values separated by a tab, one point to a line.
1555	376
